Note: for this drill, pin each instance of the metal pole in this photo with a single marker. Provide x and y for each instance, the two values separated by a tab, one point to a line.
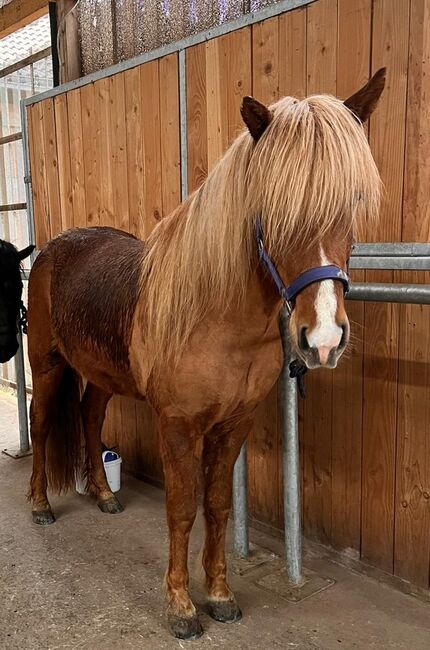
291	464
404	293
240	505
182	68
24	443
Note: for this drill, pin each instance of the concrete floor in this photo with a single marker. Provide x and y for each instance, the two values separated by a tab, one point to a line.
94	581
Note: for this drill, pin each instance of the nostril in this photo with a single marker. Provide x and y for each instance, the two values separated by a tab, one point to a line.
303	341
344	339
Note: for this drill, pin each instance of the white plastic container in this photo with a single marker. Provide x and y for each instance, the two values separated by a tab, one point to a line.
112	464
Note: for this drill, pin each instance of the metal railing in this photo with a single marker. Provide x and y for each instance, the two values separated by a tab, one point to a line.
398	256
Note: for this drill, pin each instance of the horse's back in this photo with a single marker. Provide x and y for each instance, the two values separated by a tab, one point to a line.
92	277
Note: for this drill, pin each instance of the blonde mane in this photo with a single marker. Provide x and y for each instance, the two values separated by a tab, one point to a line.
310	173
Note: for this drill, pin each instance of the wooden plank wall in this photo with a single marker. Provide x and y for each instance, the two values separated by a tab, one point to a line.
109	153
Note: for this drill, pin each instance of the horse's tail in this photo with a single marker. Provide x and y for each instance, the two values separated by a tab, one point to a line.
63	445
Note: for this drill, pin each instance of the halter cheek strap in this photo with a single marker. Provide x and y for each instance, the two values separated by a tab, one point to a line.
316	274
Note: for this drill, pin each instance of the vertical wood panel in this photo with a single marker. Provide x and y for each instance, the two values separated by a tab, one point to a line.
135	176
103	105
169	120
412	508
196	116
77	170
216	99
292	53
90	126
353	65
37	165
387	137
292	82
318	408
264	442
63	154
151	131
51	166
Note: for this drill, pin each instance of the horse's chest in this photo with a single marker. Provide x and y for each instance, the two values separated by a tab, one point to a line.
223	383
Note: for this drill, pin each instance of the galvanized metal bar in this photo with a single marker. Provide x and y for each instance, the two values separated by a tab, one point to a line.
391	263
183	122
24	441
220	30
290	464
391	249
240	505
418	294
27	181
23	63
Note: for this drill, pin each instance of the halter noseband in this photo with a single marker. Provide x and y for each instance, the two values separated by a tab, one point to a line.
315	274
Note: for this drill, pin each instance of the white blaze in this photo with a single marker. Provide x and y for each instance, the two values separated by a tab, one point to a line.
326	334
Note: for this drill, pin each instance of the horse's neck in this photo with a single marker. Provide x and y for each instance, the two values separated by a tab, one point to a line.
261	306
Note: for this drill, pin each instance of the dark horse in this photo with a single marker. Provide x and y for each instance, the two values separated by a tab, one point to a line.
10	296
189	319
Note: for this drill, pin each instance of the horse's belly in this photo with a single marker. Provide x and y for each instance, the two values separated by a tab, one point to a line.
98	371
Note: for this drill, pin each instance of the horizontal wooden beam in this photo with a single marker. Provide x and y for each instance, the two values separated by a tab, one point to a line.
19	13
11	207
13	137
23	63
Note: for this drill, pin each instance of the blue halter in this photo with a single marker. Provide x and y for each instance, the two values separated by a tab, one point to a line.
316	274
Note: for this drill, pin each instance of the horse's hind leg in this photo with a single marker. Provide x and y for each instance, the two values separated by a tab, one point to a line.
220	451
93	408
45	388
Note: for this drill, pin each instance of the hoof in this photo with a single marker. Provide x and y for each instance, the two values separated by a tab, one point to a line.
186	628
224	611
112	506
43	517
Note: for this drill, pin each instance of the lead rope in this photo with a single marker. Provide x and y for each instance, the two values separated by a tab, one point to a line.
22	320
298	371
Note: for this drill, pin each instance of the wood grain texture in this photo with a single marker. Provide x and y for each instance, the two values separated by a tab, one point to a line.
37	167
169	121
196	116
353	64
90	127
390	42
151	133
264	444
63	157
318	408
103	106
74	115
292	53
135	163
412	507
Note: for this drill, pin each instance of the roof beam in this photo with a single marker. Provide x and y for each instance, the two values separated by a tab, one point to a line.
19	13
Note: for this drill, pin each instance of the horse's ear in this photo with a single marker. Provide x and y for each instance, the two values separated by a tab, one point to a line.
364	102
26	252
256	116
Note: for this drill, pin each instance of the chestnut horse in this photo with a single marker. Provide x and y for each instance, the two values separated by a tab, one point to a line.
189	319
10	296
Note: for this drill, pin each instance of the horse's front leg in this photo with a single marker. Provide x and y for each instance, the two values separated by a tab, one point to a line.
177	444
221	449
